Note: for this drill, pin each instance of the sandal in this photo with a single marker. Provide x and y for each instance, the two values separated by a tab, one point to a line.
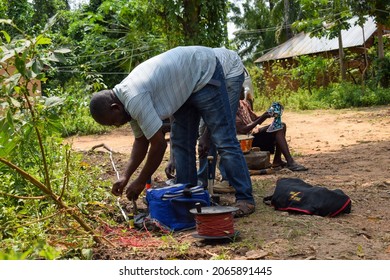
296	167
245	208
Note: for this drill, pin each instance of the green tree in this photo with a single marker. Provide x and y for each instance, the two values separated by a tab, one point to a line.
3	8
283	14
30	16
45	9
380	10
93	5
326	18
254	36
112	39
19	11
193	22
115	36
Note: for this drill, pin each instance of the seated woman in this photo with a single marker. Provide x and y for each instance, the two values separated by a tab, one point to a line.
247	122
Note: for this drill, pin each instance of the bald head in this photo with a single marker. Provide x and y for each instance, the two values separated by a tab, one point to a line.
106	109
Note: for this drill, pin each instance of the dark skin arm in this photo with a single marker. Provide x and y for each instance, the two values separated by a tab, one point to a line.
243	128
204	143
171	167
157	146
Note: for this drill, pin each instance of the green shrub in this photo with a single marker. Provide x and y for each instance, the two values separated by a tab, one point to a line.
346	95
45	192
75	107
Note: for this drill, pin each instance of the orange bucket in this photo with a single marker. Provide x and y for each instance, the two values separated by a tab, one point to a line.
245	142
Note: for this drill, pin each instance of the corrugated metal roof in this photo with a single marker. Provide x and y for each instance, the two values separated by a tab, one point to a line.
302	44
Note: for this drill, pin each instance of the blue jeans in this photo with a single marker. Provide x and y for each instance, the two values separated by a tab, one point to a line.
211	103
233	86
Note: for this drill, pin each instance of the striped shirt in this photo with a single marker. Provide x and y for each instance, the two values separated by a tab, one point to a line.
158	87
230	61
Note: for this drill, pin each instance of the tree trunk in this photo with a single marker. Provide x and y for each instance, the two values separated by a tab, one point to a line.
381	53
287	19
343	69
365	57
191	21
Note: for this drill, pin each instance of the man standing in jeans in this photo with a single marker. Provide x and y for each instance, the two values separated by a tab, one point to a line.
187	83
234	78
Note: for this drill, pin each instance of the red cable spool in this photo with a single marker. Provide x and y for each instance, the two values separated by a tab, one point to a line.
214	222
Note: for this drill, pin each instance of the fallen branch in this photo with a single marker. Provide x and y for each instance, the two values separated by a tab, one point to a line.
23	197
33	222
266	171
100	146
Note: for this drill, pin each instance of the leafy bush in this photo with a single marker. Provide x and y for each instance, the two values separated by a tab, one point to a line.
309	85
382	76
303	100
338	96
346	95
75	107
45	191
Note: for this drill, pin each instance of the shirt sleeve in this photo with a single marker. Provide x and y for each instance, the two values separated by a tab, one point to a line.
145	120
136	129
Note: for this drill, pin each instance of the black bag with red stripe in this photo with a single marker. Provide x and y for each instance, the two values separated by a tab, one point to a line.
295	195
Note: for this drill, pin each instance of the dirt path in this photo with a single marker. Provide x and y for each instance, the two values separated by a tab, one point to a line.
352	144
346	149
309	132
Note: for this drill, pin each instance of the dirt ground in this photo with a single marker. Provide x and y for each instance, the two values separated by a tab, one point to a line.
343	149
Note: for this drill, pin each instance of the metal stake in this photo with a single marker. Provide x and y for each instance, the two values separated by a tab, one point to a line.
134	212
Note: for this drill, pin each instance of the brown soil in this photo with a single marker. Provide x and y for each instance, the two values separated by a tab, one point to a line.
344	149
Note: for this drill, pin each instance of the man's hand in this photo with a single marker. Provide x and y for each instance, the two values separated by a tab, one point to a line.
267	115
170	169
134	190
204	145
117	188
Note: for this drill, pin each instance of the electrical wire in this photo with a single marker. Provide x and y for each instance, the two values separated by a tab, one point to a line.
128	237
64	69
273	28
215	225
